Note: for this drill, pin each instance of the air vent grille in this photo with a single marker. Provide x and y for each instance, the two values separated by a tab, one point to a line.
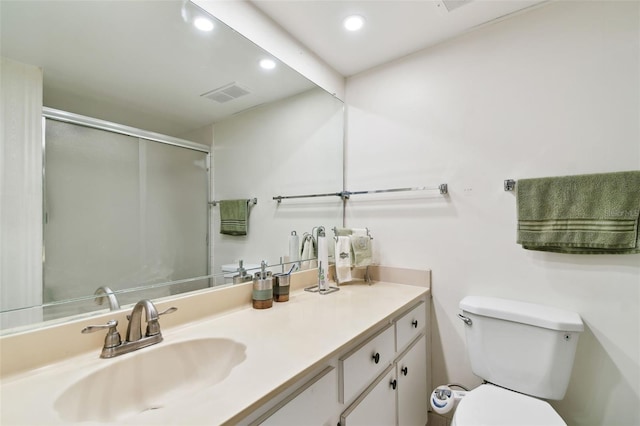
226	93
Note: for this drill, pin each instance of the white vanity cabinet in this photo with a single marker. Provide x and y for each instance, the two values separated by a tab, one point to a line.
381	380
398	396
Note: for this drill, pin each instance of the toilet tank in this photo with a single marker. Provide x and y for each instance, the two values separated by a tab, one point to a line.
525	347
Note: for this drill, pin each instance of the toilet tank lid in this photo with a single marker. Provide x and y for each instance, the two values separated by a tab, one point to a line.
523	312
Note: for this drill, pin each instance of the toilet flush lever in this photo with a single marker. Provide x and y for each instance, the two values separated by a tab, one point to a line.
464	319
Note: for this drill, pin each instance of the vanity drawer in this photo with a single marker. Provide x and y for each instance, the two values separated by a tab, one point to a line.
361	366
410	325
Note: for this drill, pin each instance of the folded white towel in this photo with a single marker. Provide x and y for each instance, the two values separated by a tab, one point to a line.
343	260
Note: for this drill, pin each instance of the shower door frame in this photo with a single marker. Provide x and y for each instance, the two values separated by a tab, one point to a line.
95	123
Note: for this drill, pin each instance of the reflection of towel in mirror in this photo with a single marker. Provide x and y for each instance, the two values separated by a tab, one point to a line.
294	250
234	215
343	232
343	260
308	253
361	246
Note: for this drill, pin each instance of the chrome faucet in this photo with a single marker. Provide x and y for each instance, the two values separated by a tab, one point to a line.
114	346
103	291
134	329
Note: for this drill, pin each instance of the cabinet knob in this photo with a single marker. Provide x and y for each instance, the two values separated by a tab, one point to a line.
414	323
394	384
376	357
405	371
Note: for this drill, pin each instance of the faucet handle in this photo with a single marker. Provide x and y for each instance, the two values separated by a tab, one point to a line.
168	311
113	337
153	327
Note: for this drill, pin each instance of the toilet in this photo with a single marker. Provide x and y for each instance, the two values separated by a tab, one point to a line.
525	353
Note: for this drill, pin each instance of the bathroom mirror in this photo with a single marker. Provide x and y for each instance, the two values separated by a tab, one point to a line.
145	65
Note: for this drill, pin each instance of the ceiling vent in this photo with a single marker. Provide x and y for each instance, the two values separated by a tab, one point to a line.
450	5
226	93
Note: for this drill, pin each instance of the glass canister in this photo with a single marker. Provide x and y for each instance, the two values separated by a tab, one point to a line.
281	287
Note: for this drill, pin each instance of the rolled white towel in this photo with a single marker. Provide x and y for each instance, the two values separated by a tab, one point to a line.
308	256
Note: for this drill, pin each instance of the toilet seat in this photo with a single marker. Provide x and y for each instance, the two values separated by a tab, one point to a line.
490	405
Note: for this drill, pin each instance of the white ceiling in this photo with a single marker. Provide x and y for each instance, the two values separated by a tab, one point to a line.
394	28
140	64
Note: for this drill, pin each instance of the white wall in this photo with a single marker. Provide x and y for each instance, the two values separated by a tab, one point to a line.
20	191
289	147
554	91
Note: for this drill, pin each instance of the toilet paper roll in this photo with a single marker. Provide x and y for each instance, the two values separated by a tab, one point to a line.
442	399
294	249
323	263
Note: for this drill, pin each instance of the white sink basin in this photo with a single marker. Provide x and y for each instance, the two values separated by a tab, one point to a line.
149	379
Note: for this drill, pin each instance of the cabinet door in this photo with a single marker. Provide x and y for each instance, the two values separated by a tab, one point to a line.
412	385
313	404
376	407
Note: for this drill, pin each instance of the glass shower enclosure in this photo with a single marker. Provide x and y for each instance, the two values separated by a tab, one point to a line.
124	209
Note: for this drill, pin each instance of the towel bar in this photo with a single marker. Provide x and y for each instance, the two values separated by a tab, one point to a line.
443	188
251	202
509	185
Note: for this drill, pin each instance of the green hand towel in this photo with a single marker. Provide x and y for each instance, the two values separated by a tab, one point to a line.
585	214
234	215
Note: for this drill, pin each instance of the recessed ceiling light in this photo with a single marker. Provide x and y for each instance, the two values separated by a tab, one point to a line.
203	24
268	64
353	22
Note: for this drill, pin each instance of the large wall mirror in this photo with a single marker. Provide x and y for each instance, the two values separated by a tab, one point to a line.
235	130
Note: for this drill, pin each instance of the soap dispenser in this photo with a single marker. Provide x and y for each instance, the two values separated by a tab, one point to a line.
242	276
263	288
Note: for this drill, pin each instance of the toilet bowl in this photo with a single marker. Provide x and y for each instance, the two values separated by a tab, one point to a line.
495	406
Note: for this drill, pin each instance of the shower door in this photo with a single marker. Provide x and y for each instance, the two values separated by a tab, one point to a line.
123	212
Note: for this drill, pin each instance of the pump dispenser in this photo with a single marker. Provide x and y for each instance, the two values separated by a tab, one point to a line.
242	276
263	288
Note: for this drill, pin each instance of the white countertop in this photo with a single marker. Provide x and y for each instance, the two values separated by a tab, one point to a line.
282	344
